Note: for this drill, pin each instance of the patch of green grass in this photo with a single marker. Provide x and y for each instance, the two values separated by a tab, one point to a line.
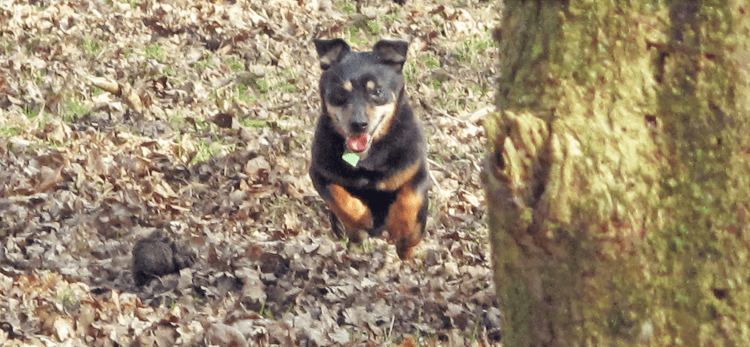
442	102
391	17
366	245
200	125
265	313
175	119
205	151
436	83
278	209
453	100
30	111
155	51
7	131
287	87
203	63
91	46
348	7
290	73
479	89
132	3
5	47
473	47
242	94
474	332
417	332
168	71
289	81
126	52
254	123
374	27
236	64
67	299
74	109
431	61
35	75
352	35
263	85
410	72
351	32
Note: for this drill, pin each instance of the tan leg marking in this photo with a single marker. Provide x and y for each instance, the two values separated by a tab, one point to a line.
402	225
349	210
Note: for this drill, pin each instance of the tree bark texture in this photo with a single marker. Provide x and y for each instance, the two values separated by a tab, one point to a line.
618	173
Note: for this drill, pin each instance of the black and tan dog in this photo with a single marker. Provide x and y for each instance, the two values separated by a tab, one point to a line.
369	153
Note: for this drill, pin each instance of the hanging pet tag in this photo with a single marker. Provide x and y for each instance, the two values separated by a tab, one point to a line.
351	158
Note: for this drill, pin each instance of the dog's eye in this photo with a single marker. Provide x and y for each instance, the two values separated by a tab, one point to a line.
337	99
377	95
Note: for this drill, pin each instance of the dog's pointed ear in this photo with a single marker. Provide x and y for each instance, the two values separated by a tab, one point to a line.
331	51
391	52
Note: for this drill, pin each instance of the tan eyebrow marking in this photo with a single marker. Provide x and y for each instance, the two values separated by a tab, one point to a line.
348	86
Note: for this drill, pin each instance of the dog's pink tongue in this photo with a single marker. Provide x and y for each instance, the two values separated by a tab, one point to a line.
358	143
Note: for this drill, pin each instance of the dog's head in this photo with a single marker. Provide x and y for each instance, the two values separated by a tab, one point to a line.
361	90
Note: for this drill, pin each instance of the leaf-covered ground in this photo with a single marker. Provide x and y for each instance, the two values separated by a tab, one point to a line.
194	118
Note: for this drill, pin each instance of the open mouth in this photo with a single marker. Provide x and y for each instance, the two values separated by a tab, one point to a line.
359	143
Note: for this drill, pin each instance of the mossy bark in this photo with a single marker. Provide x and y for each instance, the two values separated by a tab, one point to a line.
618	173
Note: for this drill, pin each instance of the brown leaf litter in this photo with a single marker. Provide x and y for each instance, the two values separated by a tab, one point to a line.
192	121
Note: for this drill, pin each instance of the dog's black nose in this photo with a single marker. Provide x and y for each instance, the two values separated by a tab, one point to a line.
359	126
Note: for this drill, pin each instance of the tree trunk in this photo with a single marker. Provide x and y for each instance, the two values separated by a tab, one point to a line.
618	177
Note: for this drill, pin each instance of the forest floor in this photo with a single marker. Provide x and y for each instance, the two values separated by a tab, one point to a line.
195	118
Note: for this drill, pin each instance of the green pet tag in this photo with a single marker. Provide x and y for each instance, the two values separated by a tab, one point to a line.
351	158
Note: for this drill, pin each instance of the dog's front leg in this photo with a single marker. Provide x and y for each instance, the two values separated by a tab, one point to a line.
349	210
406	219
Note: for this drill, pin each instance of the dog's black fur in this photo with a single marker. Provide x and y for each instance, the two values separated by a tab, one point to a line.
366	114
